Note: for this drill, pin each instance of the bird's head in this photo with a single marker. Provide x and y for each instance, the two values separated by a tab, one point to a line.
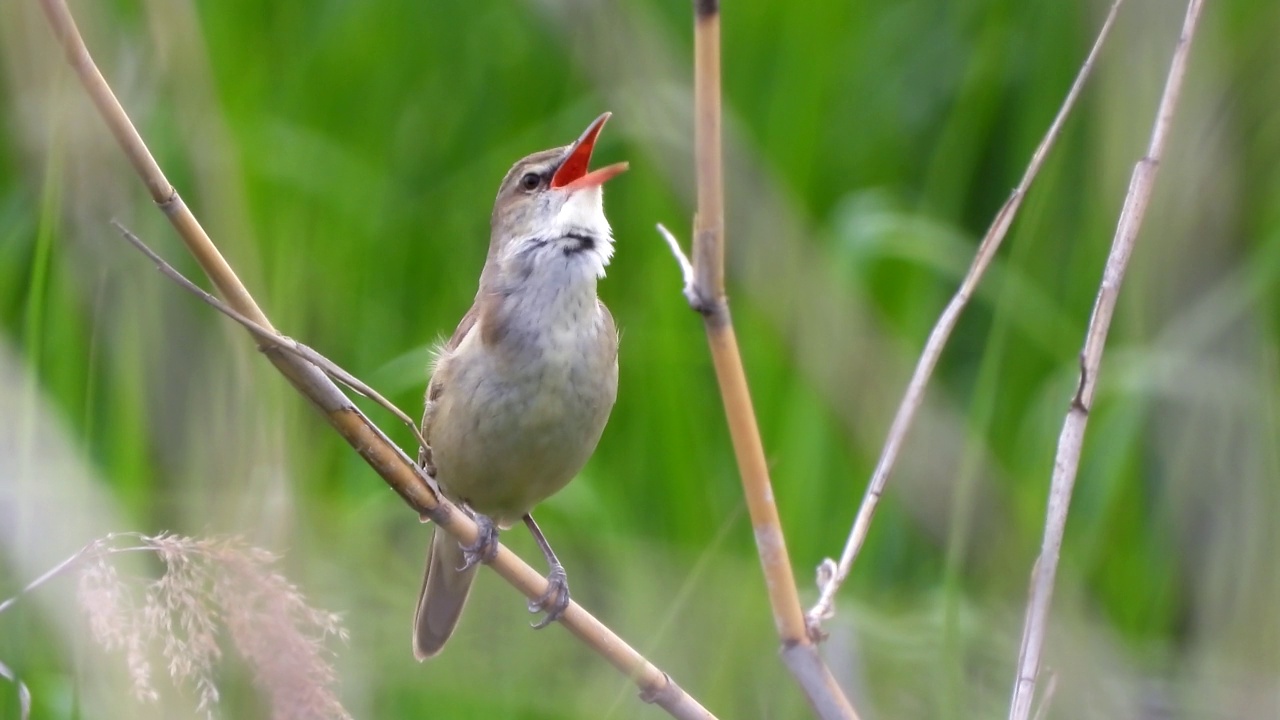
550	200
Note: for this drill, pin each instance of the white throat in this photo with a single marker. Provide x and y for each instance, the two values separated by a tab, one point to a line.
577	242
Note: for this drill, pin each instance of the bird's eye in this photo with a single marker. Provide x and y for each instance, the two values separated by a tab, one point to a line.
530	181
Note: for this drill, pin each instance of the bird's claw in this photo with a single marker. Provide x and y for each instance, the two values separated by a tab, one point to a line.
554	601
485	548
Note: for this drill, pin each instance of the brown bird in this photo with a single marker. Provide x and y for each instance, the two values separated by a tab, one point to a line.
520	395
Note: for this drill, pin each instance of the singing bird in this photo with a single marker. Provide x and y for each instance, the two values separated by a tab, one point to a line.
521	392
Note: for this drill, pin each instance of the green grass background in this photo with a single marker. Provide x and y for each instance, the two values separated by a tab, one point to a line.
345	156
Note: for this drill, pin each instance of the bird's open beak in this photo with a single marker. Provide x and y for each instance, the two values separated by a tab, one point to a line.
572	173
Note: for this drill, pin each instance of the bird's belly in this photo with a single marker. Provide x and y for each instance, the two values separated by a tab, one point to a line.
512	434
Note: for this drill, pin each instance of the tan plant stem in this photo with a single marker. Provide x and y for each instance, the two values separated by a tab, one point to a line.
707	296
389	461
833	574
710	301
1071	440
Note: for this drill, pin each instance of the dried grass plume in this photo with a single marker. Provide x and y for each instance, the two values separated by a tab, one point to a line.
211	585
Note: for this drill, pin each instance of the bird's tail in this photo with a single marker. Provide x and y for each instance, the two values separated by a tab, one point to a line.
444	592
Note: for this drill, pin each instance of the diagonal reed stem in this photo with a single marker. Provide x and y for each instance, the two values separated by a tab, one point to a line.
938	337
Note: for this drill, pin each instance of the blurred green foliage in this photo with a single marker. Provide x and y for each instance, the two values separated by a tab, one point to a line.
345	157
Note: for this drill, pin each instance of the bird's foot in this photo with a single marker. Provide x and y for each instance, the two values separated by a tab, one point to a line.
554	601
485	548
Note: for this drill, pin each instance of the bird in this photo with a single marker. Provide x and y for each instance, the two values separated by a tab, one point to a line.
520	393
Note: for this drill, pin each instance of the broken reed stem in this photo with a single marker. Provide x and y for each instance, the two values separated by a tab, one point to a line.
1070	442
390	462
938	337
708	298
270	338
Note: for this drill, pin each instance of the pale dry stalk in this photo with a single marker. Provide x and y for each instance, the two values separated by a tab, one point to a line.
831	574
1071	440
389	461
